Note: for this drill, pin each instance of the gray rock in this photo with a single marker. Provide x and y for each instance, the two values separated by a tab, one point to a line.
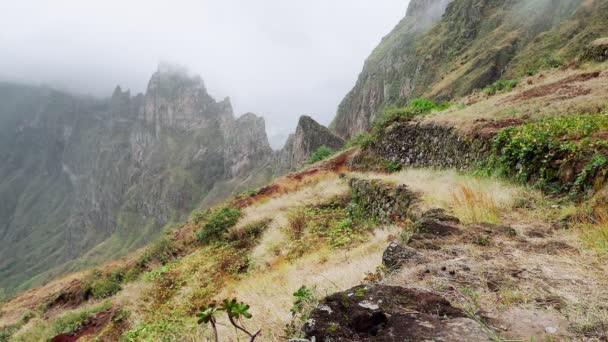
396	255
390	313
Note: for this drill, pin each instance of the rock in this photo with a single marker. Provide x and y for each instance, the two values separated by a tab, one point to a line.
385	202
396	255
597	51
390	313
436	223
309	136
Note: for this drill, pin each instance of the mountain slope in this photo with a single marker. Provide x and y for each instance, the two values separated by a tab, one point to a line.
97	178
474	43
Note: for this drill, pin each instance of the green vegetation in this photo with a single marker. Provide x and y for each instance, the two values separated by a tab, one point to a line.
550	152
416	107
500	86
321	153
331	223
235	311
46	330
199	215
363	140
99	285
218	223
7	332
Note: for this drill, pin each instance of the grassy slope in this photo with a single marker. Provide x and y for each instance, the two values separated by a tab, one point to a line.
162	302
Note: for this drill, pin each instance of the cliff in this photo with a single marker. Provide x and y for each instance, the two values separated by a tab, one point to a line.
442	50
91	179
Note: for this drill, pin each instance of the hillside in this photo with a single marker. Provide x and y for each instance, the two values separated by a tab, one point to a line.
479	219
474	43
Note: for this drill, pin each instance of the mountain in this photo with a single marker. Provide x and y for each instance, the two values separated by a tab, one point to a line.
91	179
446	49
481	219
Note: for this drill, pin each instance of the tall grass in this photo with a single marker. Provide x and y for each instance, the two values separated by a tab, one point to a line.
472	205
593	230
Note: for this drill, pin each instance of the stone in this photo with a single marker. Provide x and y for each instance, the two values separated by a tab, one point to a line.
436	223
596	51
396	255
384	202
390	313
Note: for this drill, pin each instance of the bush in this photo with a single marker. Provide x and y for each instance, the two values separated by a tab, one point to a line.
218	223
100	285
321	153
500	86
537	150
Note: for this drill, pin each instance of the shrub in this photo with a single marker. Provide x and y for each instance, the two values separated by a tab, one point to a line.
218	223
102	285
321	153
500	86
532	151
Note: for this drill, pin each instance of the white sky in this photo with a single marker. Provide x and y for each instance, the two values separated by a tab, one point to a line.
276	58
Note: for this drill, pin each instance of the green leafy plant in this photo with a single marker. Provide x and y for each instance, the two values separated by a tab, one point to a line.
304	297
321	153
541	150
218	223
235	311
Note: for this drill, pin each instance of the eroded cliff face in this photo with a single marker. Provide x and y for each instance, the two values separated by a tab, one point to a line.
446	49
93	179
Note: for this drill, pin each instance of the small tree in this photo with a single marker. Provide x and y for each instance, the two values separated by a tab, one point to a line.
235	311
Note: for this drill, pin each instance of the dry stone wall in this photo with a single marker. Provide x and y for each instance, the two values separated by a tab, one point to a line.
383	202
431	145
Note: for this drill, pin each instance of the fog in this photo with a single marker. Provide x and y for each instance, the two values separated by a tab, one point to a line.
276	58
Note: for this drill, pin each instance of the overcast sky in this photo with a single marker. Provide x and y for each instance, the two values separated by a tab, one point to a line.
276	58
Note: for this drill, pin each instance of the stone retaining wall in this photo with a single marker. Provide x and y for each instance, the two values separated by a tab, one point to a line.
430	145
383	202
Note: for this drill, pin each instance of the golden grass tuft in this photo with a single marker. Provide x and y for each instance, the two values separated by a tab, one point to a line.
473	205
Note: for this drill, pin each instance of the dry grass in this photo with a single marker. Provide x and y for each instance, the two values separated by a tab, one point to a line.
593	230
270	292
474	206
500	107
471	199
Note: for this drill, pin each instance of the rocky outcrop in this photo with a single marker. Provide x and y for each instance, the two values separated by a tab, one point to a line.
597	51
92	179
381	201
309	136
396	255
431	145
446	49
390	313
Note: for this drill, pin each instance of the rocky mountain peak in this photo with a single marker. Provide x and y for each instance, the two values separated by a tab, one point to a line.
309	136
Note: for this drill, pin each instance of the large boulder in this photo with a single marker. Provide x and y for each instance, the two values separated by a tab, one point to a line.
436	223
390	313
597	50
